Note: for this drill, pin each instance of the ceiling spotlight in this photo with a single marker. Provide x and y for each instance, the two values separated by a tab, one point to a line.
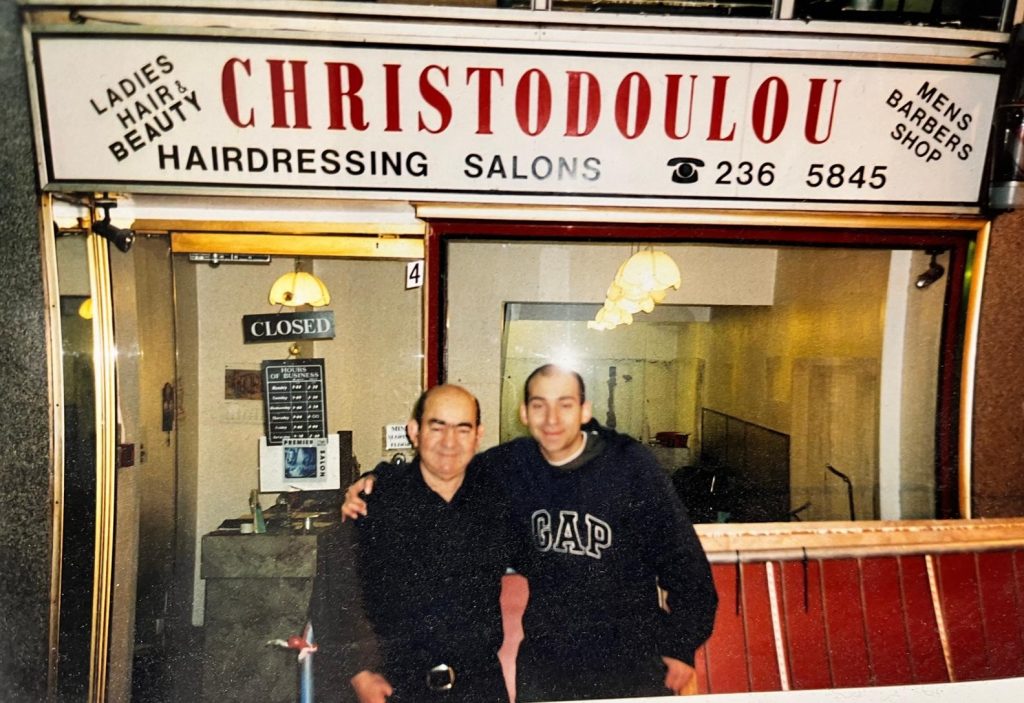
120	238
934	272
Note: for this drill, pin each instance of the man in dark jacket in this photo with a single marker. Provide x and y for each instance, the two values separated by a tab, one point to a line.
607	533
608	530
430	556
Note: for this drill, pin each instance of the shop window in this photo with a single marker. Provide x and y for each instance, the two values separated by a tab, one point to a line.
502	4
78	475
778	383
966	14
744	8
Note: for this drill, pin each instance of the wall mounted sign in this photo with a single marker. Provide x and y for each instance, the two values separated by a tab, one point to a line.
516	125
395	437
414	274
288	326
294	398
242	384
300	465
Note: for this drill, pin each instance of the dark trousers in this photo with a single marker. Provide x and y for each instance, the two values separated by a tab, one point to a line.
546	676
480	683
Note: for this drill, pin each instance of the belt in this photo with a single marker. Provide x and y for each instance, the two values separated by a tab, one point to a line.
441	678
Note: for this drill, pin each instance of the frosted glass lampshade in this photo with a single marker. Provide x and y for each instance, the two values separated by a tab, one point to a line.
85	309
297	288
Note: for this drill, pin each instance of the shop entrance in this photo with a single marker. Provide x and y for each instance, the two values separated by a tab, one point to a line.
190	417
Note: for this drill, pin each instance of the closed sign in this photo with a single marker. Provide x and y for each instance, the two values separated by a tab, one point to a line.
288	326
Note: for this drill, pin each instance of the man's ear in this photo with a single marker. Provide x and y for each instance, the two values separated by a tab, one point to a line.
586	412
412	429
479	437
522	414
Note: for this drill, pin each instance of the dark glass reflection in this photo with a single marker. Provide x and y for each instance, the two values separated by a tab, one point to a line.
78	546
968	14
742	8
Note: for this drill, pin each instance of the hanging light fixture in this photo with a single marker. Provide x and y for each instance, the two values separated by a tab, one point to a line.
299	287
85	309
649	271
641	282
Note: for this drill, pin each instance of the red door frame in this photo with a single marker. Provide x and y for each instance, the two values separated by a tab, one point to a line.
956	242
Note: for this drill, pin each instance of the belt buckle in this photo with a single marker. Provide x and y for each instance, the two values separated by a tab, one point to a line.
441	678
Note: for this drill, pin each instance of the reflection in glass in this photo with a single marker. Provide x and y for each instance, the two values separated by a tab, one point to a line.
768	366
502	4
79	481
968	14
739	8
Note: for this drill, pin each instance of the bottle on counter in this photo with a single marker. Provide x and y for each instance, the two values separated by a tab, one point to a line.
259	524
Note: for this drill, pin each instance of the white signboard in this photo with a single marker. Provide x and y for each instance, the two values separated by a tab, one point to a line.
414	274
560	127
396	438
310	464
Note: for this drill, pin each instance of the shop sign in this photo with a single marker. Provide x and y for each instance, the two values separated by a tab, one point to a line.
507	126
396	437
288	326
294	398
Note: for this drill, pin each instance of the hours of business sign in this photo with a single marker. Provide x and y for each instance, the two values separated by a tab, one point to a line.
418	121
294	397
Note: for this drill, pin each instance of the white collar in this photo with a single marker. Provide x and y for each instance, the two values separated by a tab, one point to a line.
575	455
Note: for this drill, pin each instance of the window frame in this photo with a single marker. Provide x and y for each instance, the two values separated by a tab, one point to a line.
958	236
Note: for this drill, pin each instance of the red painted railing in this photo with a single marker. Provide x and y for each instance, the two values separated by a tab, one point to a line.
851	622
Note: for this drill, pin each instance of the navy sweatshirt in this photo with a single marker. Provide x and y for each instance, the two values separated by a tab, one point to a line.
606	528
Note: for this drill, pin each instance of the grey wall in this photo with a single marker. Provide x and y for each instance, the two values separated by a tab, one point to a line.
25	476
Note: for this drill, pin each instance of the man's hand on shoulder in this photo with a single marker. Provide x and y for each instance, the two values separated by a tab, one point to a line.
680	678
354	506
371	687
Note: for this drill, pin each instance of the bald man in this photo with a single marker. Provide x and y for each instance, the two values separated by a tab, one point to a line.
430	556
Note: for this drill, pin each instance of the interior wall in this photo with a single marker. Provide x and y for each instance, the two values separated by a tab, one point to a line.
372	367
145	553
692	352
828	303
129	490
557	273
922	339
186	294
818	347
652	387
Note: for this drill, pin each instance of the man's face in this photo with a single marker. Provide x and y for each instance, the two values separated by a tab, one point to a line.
449	435
554	414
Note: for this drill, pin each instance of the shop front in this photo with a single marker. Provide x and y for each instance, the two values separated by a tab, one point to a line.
469	187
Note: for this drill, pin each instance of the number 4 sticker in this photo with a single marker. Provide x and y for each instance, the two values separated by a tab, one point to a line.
414	274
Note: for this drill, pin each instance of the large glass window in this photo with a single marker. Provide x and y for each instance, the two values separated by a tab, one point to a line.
991	15
741	8
968	14
778	383
78	544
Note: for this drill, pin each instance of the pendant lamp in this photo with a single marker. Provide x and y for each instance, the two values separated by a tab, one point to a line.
297	288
